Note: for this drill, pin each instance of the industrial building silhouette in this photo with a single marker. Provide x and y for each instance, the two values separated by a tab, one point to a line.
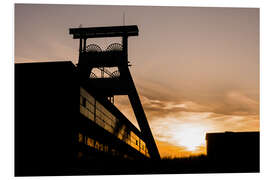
119	82
66	122
65	113
234	149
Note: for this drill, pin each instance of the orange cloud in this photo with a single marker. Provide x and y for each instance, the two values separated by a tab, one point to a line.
180	126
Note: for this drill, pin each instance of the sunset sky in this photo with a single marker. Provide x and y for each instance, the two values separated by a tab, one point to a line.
196	69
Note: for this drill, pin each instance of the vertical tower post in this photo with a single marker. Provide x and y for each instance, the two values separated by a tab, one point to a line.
84	44
80	48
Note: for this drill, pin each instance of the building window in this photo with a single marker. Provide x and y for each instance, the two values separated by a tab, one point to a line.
84	102
95	111
106	148
80	138
90	142
97	145
101	147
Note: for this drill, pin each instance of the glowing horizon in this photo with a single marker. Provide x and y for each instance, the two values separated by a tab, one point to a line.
196	69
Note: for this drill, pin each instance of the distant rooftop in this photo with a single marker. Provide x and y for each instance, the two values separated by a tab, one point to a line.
230	133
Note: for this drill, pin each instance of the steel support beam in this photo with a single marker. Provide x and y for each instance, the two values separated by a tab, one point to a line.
122	85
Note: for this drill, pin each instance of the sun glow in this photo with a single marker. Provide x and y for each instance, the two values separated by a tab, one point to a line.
190	136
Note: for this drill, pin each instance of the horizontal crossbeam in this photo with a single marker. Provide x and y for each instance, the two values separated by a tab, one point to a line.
99	32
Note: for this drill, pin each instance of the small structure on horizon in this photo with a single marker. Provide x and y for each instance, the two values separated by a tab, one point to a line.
234	149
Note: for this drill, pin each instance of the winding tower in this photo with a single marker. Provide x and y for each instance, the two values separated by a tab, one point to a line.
120	81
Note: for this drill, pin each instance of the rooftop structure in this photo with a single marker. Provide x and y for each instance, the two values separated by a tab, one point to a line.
101	32
241	149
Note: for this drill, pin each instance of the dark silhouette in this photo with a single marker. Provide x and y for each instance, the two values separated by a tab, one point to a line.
66	122
234	149
63	115
115	56
59	122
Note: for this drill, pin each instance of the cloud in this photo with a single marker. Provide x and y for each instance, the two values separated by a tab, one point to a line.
174	121
236	103
231	103
234	111
156	90
156	108
182	128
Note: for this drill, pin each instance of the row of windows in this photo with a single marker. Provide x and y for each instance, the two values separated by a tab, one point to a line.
97	113
90	142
